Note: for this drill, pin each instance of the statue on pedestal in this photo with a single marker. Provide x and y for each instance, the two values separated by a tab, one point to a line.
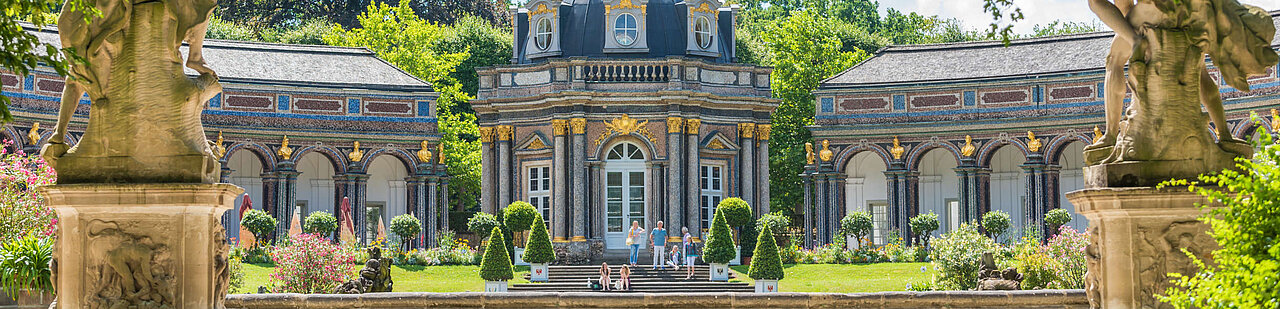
1161	135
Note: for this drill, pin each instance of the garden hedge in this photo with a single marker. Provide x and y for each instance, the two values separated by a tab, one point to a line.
720	248
496	265
538	249
766	264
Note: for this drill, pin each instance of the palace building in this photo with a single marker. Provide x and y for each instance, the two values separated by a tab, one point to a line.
299	127
620	111
962	129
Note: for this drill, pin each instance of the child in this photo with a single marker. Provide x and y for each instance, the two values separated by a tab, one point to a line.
675	257
604	276
624	277
689	253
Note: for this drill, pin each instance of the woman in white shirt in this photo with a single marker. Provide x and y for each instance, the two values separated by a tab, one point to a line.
635	237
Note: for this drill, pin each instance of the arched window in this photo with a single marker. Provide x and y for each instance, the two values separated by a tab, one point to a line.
625	30
543	36
625	151
702	32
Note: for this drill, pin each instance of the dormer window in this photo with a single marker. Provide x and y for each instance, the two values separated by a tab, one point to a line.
542	37
702	32
625	30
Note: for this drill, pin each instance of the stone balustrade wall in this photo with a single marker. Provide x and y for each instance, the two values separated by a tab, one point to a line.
943	299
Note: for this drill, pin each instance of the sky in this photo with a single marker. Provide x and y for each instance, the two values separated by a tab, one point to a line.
1037	11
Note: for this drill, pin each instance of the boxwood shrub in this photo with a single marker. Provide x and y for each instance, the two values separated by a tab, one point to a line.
496	265
766	263
720	247
538	250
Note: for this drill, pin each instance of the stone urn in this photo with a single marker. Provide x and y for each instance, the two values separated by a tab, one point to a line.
719	272
538	272
495	286
766	286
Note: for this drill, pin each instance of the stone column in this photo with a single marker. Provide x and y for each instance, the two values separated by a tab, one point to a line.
443	206
762	164
693	214
560	179
597	209
674	204
578	167
982	177
747	165
820	211
286	193
488	167
504	176
171	229
834	210
807	210
1034	207
430	210
912	196
654	196
896	177
1052	194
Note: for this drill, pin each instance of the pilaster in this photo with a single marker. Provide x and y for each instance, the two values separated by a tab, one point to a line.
488	166
693	214
674	203
559	180
747	165
597	209
807	210
504	133
762	165
578	167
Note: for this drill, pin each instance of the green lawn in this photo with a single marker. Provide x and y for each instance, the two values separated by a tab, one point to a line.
829	278
407	279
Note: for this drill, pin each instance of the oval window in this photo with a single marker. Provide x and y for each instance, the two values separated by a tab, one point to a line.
543	37
702	32
625	30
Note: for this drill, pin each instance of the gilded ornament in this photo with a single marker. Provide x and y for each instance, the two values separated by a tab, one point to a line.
356	155
968	148
624	4
424	154
704	8
1097	133
1033	143
559	127
536	144
623	126
763	131
1275	121
747	130
808	153
285	152
504	133
675	125
897	151
692	125
579	125
33	136
486	134
826	155
218	148
440	150
542	9
716	144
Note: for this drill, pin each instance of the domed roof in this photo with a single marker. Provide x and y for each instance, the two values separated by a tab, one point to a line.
584	26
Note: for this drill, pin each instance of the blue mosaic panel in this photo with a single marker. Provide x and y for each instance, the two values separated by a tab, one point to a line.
283	102
216	101
828	105
970	98
899	102
30	83
1102	90
1037	94
424	108
353	106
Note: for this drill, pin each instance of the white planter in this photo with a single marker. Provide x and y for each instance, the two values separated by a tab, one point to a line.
737	256
495	286
520	257
719	272
538	272
766	286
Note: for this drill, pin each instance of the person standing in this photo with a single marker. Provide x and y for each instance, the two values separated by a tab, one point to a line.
658	238
689	253
634	239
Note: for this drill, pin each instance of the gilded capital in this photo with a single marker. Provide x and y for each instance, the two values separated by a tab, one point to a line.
763	131
692	125
486	134
675	125
579	125
747	130
504	133
560	126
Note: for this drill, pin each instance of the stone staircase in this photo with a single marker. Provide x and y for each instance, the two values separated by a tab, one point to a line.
643	280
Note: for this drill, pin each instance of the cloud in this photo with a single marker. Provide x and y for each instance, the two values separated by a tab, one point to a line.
970	12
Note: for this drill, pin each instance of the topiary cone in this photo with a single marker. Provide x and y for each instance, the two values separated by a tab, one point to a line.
720	247
766	263
538	249
496	265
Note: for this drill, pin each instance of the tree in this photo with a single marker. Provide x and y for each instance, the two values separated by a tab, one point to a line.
519	216
773	222
736	211
923	226
996	223
407	227
481	223
1057	218
259	223
450	11
487	44
720	247
805	49
538	250
319	222
857	224
22	51
766	264
496	264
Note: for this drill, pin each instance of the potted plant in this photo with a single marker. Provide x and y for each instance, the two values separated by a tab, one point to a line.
720	248
766	264
24	269
738	214
519	217
538	251
495	268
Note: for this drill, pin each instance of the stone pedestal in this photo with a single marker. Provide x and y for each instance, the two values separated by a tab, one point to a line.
140	245
1138	235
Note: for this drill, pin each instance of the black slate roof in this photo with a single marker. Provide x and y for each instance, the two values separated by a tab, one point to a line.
583	25
294	65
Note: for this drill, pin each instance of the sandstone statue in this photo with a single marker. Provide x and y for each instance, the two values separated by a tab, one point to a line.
374	277
1162	134
144	121
992	279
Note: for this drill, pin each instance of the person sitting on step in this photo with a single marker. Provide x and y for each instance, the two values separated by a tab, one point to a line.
624	280
604	276
675	257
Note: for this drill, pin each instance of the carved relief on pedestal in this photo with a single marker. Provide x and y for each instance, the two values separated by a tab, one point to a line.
1159	251
221	267
131	269
1092	277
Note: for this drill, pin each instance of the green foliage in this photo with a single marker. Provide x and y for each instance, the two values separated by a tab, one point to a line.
496	265
1060	264
22	208
319	222
923	225
310	32
236	268
766	263
220	29
1246	270
481	223
720	247
24	264
774	222
958	256
22	51
259	223
1057	217
406	226
747	239
736	211
519	216
858	224
996	223
1004	14
538	249
1059	27
487	44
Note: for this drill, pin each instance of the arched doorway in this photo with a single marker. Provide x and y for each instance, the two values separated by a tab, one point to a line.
865	190
1071	178
1009	188
940	189
624	192
246	172
386	194
314	185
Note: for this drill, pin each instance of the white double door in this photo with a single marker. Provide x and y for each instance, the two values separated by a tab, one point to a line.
624	201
